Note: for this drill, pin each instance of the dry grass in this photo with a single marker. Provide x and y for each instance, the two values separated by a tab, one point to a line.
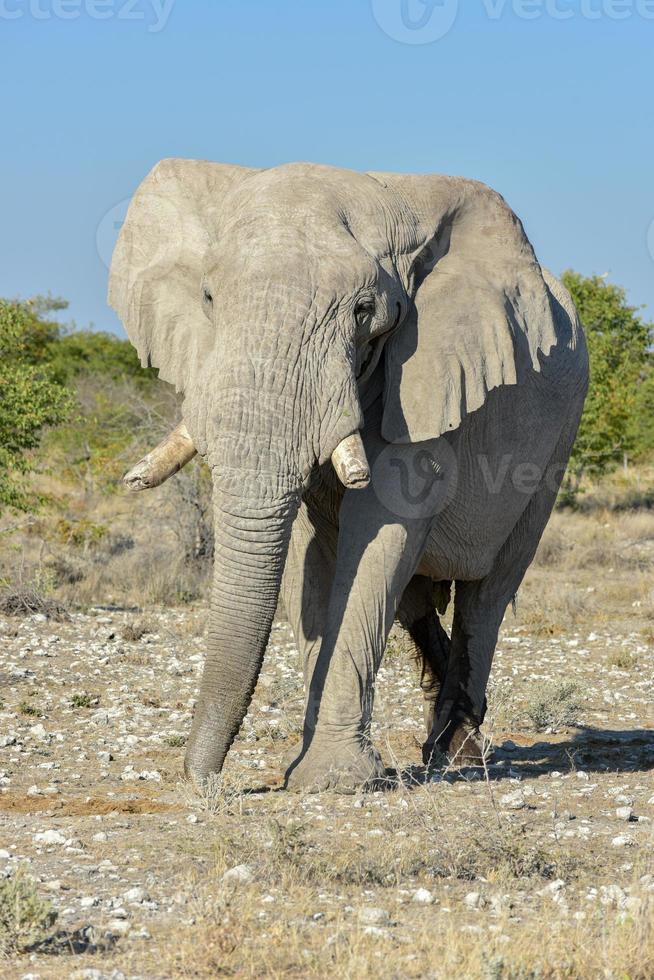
317	862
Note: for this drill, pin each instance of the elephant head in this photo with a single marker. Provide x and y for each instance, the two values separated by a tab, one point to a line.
265	296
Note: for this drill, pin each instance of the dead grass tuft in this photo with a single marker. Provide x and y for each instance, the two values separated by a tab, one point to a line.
553	706
29	602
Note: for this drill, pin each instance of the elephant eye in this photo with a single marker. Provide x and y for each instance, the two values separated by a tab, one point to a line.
363	311
207	297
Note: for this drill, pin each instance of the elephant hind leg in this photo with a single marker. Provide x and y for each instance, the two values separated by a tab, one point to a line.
430	644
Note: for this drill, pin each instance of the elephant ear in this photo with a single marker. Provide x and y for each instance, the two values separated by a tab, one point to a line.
156	270
480	315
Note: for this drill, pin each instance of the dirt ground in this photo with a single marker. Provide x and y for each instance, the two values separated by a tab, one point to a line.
542	866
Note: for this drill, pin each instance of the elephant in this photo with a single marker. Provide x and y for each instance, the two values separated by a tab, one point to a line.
386	386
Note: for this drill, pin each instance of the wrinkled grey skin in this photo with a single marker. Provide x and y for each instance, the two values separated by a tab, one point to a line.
266	297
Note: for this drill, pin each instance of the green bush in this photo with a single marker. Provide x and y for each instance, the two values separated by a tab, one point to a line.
24	917
30	399
614	423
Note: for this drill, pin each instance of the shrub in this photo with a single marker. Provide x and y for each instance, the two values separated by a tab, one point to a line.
24	917
619	348
554	706
31	400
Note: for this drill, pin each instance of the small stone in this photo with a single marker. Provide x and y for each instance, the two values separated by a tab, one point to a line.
423	897
372	915
624	813
192	818
613	895
89	901
49	837
622	840
474	900
101	836
513	801
554	888
52	886
242	874
136	895
119	927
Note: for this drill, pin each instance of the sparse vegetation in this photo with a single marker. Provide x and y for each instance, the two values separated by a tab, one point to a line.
554	706
31	710
83	701
316	863
133	632
25	918
29	601
175	741
623	660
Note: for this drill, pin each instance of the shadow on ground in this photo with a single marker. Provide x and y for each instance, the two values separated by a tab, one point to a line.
589	749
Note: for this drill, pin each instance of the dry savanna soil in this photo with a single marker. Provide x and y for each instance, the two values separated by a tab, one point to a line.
539	866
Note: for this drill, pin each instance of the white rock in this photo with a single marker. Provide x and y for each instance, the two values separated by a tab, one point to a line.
624	813
49	837
554	888
136	894
242	874
474	900
120	927
513	801
423	897
622	840
100	836
89	901
613	895
373	915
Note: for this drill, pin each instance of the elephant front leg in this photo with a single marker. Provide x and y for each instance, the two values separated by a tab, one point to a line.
377	556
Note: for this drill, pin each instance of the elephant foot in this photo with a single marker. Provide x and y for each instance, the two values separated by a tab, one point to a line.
346	767
463	747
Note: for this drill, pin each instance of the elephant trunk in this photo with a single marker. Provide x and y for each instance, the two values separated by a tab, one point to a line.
250	551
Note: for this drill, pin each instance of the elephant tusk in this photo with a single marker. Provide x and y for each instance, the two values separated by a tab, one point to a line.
172	453
350	462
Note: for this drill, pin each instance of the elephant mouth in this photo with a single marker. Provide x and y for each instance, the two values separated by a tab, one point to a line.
370	358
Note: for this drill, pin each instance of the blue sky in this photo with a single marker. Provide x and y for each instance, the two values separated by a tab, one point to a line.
549	101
